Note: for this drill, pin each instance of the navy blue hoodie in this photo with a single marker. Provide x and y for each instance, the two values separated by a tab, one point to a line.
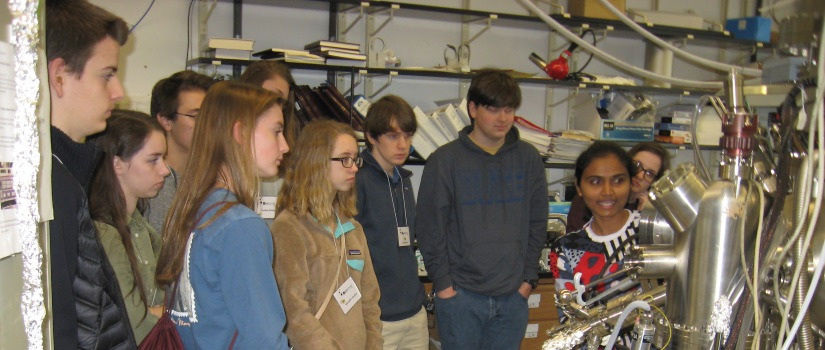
482	218
396	268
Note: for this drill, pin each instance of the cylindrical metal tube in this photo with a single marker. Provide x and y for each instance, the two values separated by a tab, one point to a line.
649	262
677	194
804	337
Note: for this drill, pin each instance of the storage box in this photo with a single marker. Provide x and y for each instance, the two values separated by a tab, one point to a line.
753	28
665	18
587	118
594	9
781	70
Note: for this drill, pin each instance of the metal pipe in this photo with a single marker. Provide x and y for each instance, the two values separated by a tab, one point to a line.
805	338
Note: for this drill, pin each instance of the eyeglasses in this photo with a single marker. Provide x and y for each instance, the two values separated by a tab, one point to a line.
649	175
193	116
347	162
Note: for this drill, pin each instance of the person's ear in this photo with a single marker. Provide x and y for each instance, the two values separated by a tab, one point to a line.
471	109
371	140
237	133
165	122
579	190
119	165
58	73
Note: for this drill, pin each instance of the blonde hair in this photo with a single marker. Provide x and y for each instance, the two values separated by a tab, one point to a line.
217	154
307	189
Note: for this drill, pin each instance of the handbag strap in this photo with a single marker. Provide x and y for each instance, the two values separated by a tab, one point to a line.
332	286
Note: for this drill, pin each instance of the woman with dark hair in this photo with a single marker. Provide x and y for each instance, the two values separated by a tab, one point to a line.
132	171
603	181
650	160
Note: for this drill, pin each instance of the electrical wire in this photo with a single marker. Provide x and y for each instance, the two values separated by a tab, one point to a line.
669	326
689	57
578	74
614	61
816	122
188	34
638	304
141	17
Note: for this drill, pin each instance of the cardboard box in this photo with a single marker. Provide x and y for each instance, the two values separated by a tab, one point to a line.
593	9
753	28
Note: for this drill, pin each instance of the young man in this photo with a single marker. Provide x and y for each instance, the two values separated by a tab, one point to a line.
82	48
176	102
481	222
386	210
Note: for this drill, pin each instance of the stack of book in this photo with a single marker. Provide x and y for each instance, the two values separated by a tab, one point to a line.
325	102
561	146
338	53
438	127
288	55
673	129
229	48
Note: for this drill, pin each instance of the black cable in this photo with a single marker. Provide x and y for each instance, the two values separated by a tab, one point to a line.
591	54
144	15
188	34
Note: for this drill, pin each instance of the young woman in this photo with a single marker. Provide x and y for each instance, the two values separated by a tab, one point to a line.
650	160
603	180
320	250
132	170
217	252
276	77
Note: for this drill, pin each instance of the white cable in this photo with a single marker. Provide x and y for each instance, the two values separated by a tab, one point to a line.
677	51
611	60
638	304
753	285
816	121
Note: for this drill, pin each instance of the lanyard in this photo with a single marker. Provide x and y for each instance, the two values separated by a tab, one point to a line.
392	200
342	251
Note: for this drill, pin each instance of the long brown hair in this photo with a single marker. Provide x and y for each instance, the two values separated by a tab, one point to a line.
260	71
125	134
215	155
306	189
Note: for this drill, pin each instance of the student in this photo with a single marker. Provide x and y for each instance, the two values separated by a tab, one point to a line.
132	170
386	210
604	183
276	77
82	49
176	103
481	222
650	160
217	252
320	249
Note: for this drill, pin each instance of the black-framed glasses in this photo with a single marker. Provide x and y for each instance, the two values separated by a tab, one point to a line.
347	162
193	116
649	175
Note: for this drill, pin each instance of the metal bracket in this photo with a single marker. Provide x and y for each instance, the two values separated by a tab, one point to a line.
489	20
386	85
360	8
390	9
357	80
555	5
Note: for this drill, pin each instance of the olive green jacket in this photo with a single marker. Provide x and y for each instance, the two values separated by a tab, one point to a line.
146	243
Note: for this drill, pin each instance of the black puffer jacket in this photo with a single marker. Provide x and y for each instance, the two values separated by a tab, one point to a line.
88	309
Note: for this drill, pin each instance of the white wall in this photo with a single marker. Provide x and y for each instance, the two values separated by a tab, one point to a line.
157	48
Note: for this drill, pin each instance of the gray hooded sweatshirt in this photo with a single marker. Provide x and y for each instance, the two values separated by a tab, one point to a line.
482	219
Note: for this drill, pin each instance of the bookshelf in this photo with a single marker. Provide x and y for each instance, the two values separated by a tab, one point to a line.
432	73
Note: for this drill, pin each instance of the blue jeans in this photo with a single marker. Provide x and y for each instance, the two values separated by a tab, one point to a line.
473	321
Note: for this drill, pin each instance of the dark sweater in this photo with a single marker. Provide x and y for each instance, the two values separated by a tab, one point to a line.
482	219
396	268
87	306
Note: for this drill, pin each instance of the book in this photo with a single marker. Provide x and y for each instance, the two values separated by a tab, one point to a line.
292	59
277	52
677	120
228	54
345	62
671	126
321	50
330	43
343	101
231	43
680	133
676	140
344	55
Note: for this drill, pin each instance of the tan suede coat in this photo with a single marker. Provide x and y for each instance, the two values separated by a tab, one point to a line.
306	259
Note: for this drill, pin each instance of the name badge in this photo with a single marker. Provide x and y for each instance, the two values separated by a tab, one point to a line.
404	236
347	295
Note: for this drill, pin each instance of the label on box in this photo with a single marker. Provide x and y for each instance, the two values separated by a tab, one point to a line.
533	301
532	331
